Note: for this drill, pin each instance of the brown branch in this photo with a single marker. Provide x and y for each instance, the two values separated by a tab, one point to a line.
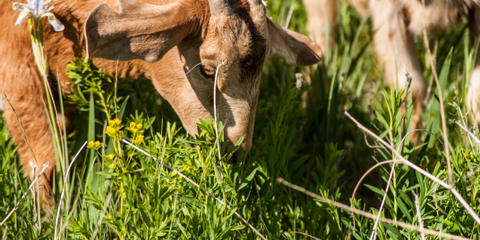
367	214
418	169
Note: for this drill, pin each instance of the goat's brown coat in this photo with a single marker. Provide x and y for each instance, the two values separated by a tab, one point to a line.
172	36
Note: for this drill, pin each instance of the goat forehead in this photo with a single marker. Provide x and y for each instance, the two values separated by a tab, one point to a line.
252	60
251	42
236	39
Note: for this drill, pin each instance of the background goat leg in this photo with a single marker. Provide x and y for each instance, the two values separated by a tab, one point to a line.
321	21
26	118
321	25
473	95
395	50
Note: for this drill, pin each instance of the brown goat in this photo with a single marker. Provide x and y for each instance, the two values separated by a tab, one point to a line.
395	23
159	39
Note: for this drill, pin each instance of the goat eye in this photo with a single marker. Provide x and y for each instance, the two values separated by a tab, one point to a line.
207	71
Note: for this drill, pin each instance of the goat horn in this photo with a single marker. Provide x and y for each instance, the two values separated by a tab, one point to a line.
258	12
257	3
220	8
257	8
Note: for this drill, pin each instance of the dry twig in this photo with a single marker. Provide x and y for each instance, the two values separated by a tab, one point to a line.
5	233
419	216
100	219
470	134
367	214
442	108
62	195
418	169
215	113
373	236
45	166
307	235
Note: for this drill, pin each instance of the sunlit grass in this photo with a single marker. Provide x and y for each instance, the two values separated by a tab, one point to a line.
118	193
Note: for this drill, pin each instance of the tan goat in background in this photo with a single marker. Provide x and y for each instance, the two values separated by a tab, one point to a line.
159	39
395	24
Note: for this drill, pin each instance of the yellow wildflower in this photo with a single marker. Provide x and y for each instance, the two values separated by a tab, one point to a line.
117	121
114	128
111	166
138	139
135	128
122	191
95	145
110	156
111	131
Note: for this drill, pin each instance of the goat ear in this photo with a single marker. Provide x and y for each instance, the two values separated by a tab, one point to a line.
138	31
295	48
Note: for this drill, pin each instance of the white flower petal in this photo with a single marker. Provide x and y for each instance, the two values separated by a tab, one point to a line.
48	9
56	24
24	14
43	12
37	7
35	4
19	6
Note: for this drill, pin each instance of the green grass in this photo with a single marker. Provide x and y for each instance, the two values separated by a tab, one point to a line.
315	146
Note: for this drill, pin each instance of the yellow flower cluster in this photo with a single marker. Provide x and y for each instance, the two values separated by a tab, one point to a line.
137	130
114	128
111	166
95	145
469	156
138	139
122	191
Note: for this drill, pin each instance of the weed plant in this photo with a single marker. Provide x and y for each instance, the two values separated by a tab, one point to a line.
116	192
